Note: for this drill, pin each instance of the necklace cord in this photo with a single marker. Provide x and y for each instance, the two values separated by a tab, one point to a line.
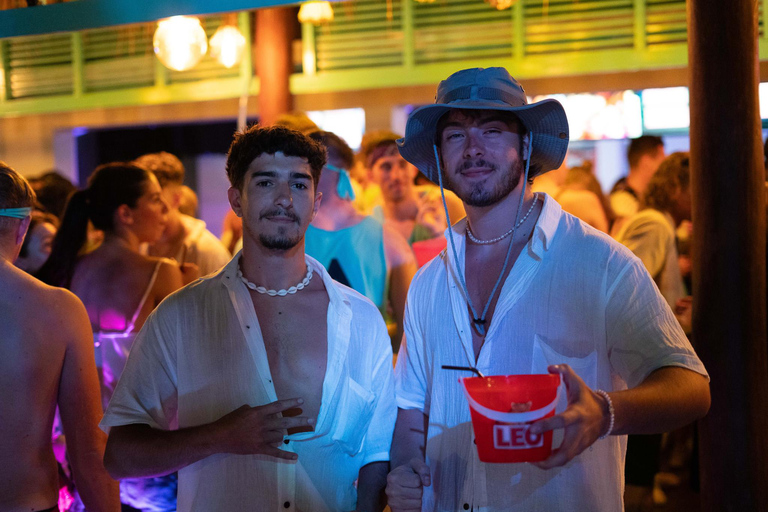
480	321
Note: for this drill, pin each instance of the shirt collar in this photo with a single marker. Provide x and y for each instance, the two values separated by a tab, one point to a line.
228	275
543	233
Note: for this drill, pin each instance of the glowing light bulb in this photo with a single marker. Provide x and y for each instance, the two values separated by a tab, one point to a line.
316	12
501	4
180	42
228	45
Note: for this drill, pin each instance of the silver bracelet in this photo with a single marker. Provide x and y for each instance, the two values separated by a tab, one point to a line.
610	411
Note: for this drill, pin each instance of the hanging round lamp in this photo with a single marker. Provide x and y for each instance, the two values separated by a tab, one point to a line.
227	45
316	12
180	42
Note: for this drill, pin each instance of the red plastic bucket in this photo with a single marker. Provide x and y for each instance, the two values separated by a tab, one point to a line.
501	435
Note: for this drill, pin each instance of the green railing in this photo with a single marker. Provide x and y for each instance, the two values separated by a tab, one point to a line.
370	44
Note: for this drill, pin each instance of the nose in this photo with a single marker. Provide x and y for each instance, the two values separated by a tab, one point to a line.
165	206
473	145
284	198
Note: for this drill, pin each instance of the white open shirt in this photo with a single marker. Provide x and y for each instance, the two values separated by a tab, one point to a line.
573	296
200	355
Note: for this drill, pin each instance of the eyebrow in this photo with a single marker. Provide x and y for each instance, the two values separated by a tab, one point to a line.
273	174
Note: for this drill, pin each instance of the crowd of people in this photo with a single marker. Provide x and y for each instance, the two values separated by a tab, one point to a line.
297	363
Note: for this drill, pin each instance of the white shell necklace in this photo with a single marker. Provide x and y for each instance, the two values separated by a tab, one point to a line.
277	293
505	235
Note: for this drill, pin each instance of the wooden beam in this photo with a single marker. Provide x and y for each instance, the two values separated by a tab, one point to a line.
729	251
273	62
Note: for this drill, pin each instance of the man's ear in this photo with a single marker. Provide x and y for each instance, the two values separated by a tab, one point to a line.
235	201
124	214
22	230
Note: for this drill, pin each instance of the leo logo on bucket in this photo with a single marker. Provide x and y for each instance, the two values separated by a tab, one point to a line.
515	436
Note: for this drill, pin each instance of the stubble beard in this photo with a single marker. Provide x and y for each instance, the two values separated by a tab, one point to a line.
282	240
479	194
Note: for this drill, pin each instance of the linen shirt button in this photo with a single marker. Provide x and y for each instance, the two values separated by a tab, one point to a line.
466	506
287	504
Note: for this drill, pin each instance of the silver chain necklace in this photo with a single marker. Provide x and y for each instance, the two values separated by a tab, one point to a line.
505	235
277	293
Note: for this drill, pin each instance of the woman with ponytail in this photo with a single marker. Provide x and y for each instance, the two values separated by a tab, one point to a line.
119	286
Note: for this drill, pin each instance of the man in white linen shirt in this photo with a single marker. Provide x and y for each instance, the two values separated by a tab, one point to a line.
276	399
569	301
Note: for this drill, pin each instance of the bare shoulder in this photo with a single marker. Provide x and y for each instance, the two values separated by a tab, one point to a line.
396	248
169	278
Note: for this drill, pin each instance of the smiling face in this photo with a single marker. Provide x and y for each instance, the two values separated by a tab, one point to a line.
482	155
394	175
277	201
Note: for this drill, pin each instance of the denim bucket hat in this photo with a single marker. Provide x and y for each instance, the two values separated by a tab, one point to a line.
487	89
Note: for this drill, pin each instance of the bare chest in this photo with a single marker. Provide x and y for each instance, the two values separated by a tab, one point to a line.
484	270
295	336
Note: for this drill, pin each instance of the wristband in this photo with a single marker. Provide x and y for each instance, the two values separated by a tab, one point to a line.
610	412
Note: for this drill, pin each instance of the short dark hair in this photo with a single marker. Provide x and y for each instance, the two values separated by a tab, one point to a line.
53	191
166	167
335	146
254	141
673	173
644	145
15	192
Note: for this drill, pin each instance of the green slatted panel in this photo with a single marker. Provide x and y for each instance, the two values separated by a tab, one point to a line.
363	34
116	58
561	26
40	65
449	30
665	22
208	68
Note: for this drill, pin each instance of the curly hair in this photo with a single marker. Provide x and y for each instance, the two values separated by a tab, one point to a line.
254	141
674	173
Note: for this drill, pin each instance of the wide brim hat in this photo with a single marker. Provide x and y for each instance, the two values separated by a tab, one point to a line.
487	89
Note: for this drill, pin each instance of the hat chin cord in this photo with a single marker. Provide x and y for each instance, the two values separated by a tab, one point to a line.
480	321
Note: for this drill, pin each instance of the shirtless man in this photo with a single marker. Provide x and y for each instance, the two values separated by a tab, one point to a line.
358	250
46	359
267	385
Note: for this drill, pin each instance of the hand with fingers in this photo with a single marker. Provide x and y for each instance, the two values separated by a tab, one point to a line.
584	420
405	485
250	430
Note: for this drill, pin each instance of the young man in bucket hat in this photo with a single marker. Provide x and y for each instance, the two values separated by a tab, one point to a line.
525	288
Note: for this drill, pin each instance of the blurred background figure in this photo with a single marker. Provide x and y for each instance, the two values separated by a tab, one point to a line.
644	156
46	362
551	182
118	285
185	238
650	235
415	211
189	202
37	244
358	250
580	195
53	191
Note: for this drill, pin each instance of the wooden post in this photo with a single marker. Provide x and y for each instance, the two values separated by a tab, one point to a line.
272	59
729	271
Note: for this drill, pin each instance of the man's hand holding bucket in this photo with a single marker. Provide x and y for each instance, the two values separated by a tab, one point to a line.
405	485
586	418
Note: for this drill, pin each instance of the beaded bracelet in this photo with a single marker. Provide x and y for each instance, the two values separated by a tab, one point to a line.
610	411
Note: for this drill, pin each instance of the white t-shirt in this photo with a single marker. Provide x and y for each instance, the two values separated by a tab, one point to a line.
200	355
203	248
573	296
